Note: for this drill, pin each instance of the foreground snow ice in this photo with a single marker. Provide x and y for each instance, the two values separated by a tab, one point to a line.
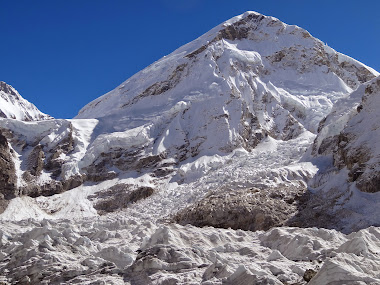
121	250
136	246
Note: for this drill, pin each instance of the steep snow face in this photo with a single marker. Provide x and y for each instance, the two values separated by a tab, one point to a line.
13	106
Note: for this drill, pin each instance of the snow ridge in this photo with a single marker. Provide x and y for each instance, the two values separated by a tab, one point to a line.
13	106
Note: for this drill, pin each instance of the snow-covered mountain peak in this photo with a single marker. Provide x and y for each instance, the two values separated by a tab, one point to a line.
13	106
241	53
4	87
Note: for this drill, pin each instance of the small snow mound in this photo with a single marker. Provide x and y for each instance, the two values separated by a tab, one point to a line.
22	208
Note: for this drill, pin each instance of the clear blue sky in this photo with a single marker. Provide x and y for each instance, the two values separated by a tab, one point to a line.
62	54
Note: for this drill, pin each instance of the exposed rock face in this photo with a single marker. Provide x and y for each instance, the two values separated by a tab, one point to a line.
36	161
314	210
3	205
118	197
8	178
35	189
162	86
122	159
248	209
64	147
309	274
7	88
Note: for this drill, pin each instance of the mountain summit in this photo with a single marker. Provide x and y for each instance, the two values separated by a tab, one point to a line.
243	157
238	57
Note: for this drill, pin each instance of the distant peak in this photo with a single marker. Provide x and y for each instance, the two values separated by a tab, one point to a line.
7	88
13	106
248	17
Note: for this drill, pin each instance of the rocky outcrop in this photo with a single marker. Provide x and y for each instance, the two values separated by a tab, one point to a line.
249	209
124	160
54	155
343	68
315	210
118	197
35	189
162	86
36	161
3	204
8	178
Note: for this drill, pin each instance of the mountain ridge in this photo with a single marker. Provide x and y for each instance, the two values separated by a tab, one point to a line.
229	30
13	106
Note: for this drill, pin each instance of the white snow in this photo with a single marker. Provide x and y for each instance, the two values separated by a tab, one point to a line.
277	256
13	106
215	106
